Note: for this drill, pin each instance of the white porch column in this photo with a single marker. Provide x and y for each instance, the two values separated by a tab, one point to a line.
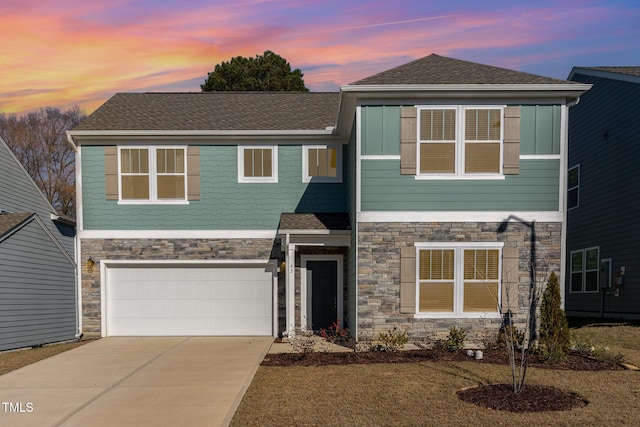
290	280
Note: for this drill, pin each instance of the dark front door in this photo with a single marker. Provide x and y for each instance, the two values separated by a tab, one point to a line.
322	289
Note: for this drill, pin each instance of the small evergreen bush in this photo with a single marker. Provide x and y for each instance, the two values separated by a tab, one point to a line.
455	339
391	341
554	328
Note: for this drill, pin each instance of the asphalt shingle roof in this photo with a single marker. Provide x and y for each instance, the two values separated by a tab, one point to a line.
8	221
216	111
631	71
314	221
435	69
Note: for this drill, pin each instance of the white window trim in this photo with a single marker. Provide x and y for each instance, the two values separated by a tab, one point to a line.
576	187
258	179
153	175
460	145
583	285
458	287
321	179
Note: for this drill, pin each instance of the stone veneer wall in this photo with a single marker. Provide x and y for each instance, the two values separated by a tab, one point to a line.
160	249
379	271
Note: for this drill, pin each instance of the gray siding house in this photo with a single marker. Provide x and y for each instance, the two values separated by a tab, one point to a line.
38	299
407	199
603	233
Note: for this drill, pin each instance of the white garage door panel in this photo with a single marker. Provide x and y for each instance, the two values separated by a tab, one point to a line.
152	301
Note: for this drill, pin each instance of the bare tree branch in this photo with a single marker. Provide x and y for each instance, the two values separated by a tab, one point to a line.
39	141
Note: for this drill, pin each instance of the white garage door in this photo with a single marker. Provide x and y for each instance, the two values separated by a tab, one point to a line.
188	300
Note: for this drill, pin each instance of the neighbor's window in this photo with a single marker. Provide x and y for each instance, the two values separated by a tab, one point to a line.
458	280
585	270
573	187
460	141
322	163
257	164
153	174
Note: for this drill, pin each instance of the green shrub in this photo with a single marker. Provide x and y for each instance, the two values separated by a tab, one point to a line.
455	339
391	341
554	328
510	335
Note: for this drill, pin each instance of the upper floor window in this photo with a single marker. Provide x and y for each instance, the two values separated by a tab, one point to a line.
573	187
257	164
460	141
322	163
152	174
585	270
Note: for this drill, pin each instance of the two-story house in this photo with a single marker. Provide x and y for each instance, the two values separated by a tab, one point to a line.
409	198
603	269
38	301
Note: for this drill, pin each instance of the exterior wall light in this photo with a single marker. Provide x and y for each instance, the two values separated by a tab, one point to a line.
90	264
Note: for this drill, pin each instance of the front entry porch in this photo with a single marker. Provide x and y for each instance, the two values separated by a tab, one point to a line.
315	248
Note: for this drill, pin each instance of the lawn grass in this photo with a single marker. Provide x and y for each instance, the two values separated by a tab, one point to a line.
619	336
425	393
12	360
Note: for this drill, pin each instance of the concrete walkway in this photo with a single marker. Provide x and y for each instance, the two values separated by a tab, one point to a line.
165	381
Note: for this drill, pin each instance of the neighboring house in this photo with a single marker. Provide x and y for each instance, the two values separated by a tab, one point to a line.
38	301
603	266
407	199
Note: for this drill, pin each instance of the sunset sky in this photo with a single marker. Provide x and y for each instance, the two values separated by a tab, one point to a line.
63	53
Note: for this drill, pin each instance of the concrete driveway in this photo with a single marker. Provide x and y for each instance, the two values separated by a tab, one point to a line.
165	381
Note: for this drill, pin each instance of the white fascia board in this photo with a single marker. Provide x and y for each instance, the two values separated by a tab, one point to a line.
202	134
610	75
561	87
314	232
457	216
177	234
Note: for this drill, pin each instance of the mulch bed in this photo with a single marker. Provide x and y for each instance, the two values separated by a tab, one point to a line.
532	398
574	362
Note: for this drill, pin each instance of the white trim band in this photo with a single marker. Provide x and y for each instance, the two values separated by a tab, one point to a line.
177	234
472	216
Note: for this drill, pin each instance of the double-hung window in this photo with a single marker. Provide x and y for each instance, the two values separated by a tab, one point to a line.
585	270
322	163
257	163
458	279
573	187
460	141
152	174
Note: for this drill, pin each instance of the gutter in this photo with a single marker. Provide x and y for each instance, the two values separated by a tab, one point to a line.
79	332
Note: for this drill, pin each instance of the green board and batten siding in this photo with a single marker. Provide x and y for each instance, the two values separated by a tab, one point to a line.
224	204
535	188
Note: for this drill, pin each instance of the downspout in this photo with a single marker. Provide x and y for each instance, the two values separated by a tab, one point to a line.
78	253
563	242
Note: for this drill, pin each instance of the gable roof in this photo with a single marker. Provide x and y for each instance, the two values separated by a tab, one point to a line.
314	221
440	70
622	73
11	221
630	71
215	111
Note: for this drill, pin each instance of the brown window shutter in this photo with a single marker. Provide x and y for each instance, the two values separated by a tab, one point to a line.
510	279
408	140
193	173
111	172
408	279
511	163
